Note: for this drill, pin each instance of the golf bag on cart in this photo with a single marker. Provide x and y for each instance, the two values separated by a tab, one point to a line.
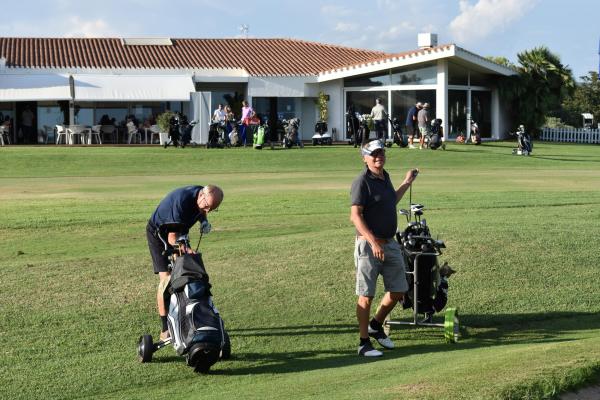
435	134
398	139
352	127
196	329
417	244
523	141
291	136
216	132
195	324
475	135
427	281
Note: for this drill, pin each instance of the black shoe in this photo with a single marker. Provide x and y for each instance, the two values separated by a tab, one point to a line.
381	338
367	350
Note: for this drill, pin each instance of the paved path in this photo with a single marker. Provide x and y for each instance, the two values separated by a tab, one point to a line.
589	393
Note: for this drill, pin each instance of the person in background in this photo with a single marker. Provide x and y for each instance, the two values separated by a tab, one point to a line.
411	123
424	121
246	111
219	114
379	116
27	122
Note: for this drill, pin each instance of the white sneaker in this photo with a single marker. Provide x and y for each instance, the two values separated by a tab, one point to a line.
367	350
381	338
412	146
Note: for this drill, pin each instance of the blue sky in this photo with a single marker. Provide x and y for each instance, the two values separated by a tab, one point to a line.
570	29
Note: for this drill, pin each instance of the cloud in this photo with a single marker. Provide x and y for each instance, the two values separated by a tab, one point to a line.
331	10
88	29
476	22
345	27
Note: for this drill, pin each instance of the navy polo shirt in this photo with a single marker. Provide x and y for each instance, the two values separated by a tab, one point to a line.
178	211
378	199
411	114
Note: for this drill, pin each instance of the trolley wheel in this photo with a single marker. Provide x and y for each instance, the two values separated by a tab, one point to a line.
451	325
226	350
145	348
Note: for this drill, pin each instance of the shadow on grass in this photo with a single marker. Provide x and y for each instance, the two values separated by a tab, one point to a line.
487	331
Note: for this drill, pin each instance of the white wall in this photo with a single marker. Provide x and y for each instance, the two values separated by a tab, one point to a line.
281	87
337	113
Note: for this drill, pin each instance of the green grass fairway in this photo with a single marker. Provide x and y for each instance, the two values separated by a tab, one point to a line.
77	288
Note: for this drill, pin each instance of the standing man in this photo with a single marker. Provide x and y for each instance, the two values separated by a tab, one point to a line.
173	217
411	123
219	114
27	130
373	213
424	120
378	114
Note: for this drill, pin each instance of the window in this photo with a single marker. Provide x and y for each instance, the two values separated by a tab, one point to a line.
425	75
369	80
403	100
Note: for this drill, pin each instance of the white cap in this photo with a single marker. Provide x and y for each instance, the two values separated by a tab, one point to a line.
370	147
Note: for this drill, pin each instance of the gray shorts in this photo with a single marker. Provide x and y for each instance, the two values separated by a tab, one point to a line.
368	268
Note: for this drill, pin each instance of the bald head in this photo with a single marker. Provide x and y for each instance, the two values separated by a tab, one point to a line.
210	198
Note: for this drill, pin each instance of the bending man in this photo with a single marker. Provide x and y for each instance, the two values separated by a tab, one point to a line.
173	217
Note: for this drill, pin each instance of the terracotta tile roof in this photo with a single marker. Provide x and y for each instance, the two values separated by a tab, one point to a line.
259	57
390	57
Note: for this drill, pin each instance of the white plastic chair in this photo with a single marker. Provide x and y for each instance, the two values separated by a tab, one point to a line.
4	135
154	131
133	132
95	132
61	131
76	131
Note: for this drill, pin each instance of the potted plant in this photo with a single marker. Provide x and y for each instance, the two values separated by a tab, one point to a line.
164	121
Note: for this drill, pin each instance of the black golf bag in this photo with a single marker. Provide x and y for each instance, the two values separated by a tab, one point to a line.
214	136
291	136
435	135
352	127
185	131
475	135
524	142
399	138
174	131
363	131
417	244
196	327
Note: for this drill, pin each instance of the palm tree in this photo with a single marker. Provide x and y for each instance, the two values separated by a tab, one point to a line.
544	82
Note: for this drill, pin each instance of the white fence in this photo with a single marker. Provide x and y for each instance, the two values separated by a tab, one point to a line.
571	135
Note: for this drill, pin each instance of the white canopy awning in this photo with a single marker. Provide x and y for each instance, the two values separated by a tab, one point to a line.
34	87
133	87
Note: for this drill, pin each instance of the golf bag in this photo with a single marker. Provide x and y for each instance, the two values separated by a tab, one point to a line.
475	135
234	136
363	130
524	142
215	135
352	127
321	137
291	136
196	327
399	138
417	244
185	131
259	137
435	134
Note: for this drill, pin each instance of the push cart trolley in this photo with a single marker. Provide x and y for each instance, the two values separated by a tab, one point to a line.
421	252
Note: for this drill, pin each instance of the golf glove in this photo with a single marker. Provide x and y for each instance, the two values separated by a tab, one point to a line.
205	227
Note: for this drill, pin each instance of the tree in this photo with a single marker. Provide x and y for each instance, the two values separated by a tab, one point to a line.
541	85
585	99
